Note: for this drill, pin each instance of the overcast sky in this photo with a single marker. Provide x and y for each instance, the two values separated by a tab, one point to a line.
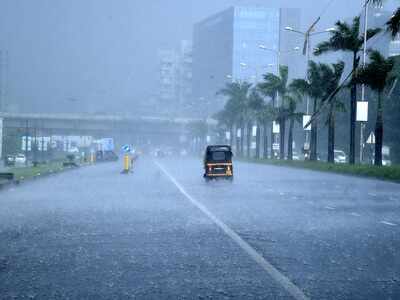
104	51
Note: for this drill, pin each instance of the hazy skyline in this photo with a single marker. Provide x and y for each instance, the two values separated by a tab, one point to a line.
104	52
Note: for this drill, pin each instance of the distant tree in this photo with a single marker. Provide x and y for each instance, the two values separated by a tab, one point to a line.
237	106
294	97
323	80
262	113
276	87
377	74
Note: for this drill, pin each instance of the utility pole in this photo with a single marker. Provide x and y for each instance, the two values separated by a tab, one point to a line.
363	124
26	142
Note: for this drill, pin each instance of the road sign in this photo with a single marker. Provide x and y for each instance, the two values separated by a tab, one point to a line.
306	120
126	148
371	138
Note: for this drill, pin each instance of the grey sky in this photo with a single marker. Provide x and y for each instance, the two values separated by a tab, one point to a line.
104	52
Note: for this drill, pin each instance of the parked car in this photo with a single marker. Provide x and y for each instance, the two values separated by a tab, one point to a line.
20	159
296	156
340	157
9	160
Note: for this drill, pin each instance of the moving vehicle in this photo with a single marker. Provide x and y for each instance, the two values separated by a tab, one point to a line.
340	157
218	162
20	159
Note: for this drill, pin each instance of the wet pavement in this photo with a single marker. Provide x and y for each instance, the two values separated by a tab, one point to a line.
96	234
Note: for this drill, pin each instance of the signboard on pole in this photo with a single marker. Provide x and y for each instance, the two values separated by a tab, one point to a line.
254	131
306	120
362	111
275	127
208	139
228	135
239	133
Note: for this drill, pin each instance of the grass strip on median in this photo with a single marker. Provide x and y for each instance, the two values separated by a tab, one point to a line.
385	173
40	170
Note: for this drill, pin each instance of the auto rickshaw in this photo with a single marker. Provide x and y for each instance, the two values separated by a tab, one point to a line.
218	162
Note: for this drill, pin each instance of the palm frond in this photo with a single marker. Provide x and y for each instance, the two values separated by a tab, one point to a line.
393	24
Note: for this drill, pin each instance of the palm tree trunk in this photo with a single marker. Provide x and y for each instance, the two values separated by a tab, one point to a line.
242	139
265	150
282	126
231	135
290	139
314	136
331	135
258	141
379	132
249	137
353	112
237	140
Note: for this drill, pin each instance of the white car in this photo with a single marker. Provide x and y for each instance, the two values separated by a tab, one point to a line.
20	159
340	157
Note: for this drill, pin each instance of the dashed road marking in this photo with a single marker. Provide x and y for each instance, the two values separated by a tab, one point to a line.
280	278
388	223
330	207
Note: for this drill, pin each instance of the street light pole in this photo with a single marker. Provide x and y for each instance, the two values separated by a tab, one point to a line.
362	127
307	52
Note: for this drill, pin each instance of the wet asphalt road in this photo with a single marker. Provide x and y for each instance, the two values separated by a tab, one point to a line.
95	234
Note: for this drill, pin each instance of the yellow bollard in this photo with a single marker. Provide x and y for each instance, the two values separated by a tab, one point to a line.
92	158
127	163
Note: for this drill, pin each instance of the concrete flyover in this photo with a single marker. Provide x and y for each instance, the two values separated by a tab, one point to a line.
121	127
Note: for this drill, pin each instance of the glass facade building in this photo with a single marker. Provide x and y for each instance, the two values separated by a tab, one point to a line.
226	46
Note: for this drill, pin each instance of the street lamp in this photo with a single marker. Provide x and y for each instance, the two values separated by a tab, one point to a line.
278	53
307	50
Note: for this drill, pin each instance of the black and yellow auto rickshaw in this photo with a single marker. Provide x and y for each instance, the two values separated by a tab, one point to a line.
218	162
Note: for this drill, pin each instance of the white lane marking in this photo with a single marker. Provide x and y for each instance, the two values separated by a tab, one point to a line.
285	282
355	214
388	223
330	207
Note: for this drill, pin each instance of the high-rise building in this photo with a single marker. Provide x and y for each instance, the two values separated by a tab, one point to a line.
226	46
185	70
167	79
175	76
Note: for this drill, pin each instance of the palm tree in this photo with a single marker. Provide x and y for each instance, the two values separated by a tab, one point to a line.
226	118
322	79
393	25
294	98
334	105
263	114
347	38
237	106
377	75
276	87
